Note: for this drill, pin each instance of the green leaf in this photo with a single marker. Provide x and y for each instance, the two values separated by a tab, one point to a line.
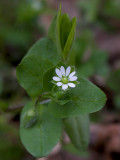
41	138
47	79
86	98
52	31
70	39
77	129
40	58
61	97
30	74
86	70
62	32
46	49
70	148
57	31
64	29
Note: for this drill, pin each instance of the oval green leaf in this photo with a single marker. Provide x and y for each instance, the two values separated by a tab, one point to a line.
41	138
41	57
70	39
86	98
77	129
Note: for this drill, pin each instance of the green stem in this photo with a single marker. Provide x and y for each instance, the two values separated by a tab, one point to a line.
40	98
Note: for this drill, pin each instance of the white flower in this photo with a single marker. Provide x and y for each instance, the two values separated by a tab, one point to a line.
65	78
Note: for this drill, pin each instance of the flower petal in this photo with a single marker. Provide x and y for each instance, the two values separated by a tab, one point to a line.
64	86
62	70
74	78
72	74
68	71
56	79
72	85
58	72
59	83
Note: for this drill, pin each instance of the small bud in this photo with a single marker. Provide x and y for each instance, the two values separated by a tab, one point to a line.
30	119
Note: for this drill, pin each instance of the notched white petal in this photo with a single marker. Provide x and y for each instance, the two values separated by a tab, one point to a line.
62	70
59	83
58	72
64	86
66	77
74	78
72	74
56	79
72	85
68	71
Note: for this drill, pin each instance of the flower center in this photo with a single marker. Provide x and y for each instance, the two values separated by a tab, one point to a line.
64	80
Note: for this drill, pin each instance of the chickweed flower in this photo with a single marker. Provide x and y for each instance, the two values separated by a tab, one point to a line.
65	78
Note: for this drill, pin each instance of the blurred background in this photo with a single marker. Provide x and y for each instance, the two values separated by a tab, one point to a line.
97	55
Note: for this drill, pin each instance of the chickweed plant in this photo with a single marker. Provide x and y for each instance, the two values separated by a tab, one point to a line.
61	99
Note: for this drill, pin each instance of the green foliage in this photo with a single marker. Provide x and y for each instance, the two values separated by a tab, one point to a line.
21	25
41	123
86	70
70	39
77	129
47	85
70	148
30	118
62	31
41	138
85	98
41	57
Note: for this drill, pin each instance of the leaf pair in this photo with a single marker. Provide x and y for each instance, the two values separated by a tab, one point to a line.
62	31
